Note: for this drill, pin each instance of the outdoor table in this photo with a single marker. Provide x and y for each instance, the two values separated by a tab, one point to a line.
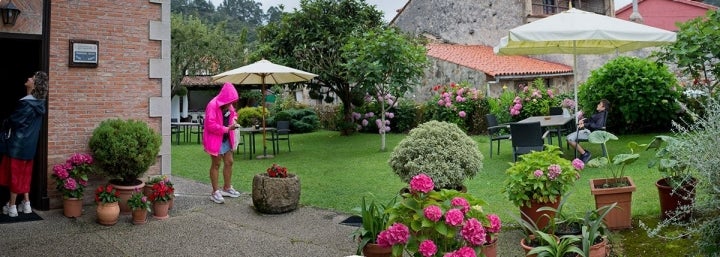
251	131
185	128
550	121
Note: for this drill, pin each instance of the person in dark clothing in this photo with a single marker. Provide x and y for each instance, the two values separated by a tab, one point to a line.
17	161
587	125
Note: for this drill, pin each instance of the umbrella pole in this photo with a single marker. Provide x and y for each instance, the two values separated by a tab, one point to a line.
262	102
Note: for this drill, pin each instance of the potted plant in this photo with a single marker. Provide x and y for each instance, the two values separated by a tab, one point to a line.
151	181
594	232
162	194
617	188
564	223
123	151
276	190
539	179
531	238
140	205
556	247
676	188
71	178
427	222
108	210
440	150
374	220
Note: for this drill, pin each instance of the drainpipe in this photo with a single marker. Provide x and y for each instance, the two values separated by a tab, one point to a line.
635	16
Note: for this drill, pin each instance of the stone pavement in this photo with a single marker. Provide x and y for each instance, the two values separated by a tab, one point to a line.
196	227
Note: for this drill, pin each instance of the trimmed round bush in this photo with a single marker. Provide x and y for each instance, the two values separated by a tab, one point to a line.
124	149
441	150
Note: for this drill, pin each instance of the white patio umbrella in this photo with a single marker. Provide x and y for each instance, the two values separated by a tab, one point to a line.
580	32
261	73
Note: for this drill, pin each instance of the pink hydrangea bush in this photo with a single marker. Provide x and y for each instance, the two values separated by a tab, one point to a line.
453	223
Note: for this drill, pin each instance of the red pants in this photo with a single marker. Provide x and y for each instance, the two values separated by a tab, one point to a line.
17	174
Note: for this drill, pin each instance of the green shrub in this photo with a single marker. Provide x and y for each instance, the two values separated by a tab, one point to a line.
124	149
301	120
642	95
249	116
440	150
407	114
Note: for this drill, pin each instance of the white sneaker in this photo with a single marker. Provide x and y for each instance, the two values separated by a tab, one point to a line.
12	211
24	207
230	192
6	208
217	197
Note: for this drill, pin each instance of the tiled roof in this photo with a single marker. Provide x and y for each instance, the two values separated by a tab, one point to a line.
199	81
482	58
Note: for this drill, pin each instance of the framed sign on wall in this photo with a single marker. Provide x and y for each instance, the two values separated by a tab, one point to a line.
83	53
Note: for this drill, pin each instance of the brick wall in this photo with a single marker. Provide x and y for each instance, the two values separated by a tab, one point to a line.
120	87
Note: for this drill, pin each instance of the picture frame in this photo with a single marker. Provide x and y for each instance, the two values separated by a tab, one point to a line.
83	53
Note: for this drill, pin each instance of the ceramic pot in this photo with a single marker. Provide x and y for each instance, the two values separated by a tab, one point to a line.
161	210
124	193
374	250
72	207
490	250
108	213
676	203
543	218
139	216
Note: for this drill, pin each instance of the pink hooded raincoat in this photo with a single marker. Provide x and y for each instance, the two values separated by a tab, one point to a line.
213	129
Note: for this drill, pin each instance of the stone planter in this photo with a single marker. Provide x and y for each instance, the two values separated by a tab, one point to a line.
275	195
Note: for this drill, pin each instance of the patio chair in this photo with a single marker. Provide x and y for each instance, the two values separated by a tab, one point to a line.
496	132
198	130
282	132
175	130
563	130
604	128
526	137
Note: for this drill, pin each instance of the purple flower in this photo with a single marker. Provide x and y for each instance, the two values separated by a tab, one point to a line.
427	248
554	171
461	202
495	223
578	164
389	115
433	212
60	170
143	199
70	184
538	173
365	122
465	252
398	233
441	102
369	114
462	114
454	217
421	183
473	232
356	116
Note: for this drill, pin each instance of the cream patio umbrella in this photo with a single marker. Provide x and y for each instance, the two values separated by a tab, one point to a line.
261	73
580	32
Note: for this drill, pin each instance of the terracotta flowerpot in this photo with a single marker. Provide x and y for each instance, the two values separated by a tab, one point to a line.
160	210
72	207
599	249
490	250
543	218
619	217
125	192
139	216
108	213
147	190
676	204
526	247
374	250
275	195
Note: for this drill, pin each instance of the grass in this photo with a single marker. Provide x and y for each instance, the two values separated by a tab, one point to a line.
336	171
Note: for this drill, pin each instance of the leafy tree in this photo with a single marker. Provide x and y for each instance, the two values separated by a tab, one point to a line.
384	63
199	49
696	51
642	95
311	39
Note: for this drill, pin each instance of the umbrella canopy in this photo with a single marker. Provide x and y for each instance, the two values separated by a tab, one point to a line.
580	32
261	73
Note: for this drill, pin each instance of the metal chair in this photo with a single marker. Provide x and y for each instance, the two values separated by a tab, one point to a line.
604	128
175	130
282	132
198	130
526	137
496	132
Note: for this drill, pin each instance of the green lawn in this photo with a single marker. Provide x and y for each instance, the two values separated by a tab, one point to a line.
336	171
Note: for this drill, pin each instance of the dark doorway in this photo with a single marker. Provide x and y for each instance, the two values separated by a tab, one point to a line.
14	72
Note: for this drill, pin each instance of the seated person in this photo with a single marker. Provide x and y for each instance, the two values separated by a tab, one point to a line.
587	125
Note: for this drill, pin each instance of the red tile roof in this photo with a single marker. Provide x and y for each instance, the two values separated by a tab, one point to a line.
482	58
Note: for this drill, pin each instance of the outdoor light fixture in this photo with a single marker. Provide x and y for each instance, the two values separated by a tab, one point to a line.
9	13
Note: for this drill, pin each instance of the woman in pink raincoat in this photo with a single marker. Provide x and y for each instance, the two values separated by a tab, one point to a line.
218	139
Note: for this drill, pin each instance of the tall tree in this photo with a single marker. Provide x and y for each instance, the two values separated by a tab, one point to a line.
311	39
386	64
696	51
